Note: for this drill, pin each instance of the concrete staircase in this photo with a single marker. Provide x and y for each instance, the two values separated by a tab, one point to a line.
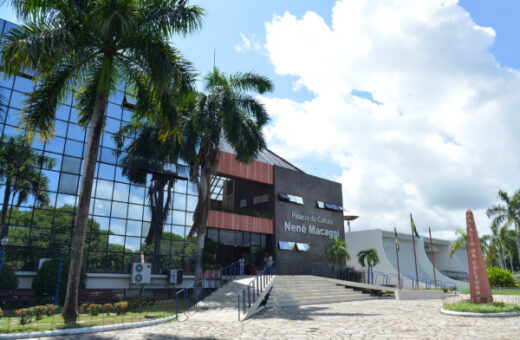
300	290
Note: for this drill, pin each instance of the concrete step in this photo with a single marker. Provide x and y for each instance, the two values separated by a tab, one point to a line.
323	300
305	290
313	293
312	297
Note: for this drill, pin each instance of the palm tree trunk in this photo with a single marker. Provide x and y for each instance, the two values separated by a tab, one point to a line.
7	194
517	230
70	308
201	218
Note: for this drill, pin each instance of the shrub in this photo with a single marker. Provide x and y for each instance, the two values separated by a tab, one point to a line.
141	302
94	309
44	283
121	307
25	315
83	308
8	279
37	312
49	309
107	307
499	277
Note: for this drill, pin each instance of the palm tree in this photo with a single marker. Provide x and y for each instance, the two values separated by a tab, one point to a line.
368	258
20	170
507	214
92	46
225	110
150	154
507	240
336	252
460	243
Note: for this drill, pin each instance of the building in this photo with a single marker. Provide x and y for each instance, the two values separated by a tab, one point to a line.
265	208
448	271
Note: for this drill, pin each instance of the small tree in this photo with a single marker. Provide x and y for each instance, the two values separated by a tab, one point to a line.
368	258
336	252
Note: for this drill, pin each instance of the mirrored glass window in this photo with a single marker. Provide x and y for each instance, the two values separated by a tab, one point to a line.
68	184
71	165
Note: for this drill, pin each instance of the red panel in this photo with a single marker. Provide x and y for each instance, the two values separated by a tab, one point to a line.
254	171
229	221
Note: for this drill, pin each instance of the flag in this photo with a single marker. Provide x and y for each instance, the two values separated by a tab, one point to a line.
414	229
396	240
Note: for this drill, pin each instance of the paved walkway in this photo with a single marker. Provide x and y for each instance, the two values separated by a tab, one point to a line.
371	319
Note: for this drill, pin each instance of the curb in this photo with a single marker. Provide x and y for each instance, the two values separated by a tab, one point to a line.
470	314
94	329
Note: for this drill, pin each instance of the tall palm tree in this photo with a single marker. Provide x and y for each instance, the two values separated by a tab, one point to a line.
336	252
226	110
20	170
91	46
369	258
507	214
149	154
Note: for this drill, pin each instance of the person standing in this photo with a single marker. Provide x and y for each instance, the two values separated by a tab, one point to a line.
242	264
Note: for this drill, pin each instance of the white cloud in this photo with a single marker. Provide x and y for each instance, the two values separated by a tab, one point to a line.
248	44
444	135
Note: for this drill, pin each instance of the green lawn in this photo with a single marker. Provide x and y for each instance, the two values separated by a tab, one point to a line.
497	291
495	307
10	323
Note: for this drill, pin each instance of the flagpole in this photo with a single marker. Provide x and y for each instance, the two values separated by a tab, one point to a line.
397	254
414	256
433	260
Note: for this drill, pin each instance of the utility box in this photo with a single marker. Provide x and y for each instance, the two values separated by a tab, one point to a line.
175	276
141	273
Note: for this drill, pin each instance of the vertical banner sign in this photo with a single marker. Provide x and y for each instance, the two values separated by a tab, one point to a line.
480	291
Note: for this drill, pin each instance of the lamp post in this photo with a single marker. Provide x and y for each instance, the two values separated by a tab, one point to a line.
3	242
349	218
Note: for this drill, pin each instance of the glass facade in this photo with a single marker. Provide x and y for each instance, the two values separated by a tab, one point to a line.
41	222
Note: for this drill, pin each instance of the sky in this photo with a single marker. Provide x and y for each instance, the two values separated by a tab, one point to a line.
410	105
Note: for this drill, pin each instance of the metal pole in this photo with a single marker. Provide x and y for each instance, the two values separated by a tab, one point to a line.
433	260
397	254
415	259
60	267
2	253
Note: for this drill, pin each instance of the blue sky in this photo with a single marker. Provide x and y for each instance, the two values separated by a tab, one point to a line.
420	113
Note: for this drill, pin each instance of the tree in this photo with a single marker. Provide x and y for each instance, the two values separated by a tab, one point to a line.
91	46
20	169
226	109
460	243
149	154
336	252
368	258
507	214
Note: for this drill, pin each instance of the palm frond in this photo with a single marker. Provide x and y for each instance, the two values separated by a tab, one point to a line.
171	16
251	81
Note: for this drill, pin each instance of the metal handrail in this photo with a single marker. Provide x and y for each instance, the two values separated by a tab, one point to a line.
254	289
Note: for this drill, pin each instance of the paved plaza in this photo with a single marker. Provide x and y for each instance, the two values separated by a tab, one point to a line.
371	319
